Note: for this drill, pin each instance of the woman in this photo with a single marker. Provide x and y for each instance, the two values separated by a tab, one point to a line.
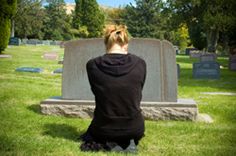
116	80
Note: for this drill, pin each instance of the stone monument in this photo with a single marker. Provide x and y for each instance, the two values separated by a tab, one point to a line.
232	62
159	93
207	68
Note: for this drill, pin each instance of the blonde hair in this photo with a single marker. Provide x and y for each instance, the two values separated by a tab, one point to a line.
115	35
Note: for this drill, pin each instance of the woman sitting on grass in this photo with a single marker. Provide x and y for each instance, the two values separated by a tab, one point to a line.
116	80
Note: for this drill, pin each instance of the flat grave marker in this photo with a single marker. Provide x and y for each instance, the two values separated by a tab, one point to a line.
50	56
29	69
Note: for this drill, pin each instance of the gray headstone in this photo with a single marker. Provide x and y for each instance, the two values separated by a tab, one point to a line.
178	70
208	57
161	79
24	41
29	69
176	50
58	71
14	41
207	70
232	62
188	50
32	41
195	54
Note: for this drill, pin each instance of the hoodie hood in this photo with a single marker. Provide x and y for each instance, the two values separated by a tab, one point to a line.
116	64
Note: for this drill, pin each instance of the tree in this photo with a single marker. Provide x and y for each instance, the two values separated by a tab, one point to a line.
144	18
113	15
88	16
182	36
28	21
220	17
7	10
206	18
57	23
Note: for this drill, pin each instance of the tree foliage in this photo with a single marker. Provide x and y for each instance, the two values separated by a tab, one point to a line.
88	16
7	10
57	24
113	15
144	19
29	19
205	19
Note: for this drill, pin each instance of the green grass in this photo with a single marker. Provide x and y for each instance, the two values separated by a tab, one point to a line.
25	131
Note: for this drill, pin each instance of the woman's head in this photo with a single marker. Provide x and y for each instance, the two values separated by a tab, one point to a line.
115	35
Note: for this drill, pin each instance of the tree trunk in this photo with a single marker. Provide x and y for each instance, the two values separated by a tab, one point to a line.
212	39
12	27
225	50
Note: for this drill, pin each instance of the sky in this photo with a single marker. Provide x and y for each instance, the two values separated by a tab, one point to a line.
112	3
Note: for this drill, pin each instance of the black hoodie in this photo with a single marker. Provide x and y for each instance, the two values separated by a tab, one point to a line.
116	81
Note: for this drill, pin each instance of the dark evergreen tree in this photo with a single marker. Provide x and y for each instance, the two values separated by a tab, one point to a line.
144	19
88	16
7	10
29	19
57	24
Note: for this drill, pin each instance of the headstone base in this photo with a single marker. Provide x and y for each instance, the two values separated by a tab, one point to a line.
183	109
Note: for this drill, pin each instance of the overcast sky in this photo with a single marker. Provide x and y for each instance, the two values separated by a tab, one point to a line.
112	3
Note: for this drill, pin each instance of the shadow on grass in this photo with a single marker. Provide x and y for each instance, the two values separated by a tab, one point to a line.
35	108
63	131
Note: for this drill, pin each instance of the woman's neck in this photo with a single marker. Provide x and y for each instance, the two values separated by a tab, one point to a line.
117	49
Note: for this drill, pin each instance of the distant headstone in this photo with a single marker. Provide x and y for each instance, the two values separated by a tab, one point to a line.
46	42
232	62
176	50
58	71
32	41
24	41
60	62
62	44
178	70
55	43
50	56
195	54
29	69
14	41
206	70
5	56
188	50
208	57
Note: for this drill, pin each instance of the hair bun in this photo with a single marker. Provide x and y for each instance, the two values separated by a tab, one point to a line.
118	32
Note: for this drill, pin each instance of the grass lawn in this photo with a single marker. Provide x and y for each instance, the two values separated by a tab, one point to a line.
25	131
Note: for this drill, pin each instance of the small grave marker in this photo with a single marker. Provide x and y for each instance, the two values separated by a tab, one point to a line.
195	54
14	41
50	56
188	50
232	62
208	57
178	70
5	56
58	71
29	69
